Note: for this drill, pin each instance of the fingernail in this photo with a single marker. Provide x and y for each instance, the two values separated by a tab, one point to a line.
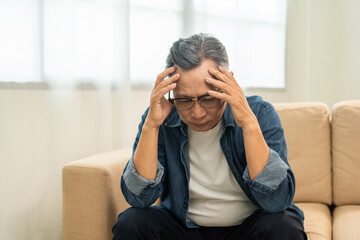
212	70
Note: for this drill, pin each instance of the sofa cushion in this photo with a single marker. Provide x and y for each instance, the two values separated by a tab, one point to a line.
317	220
307	133
346	222
346	152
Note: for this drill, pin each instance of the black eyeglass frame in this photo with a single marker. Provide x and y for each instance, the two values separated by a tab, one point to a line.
171	100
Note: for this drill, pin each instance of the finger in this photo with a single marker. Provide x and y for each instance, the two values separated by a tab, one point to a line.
165	85
164	74
219	95
218	75
219	84
157	95
224	71
168	81
229	75
222	77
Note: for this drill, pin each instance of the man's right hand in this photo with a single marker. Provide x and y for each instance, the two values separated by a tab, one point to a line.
159	107
146	154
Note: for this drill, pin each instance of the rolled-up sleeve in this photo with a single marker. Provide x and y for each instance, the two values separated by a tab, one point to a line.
137	190
136	183
269	179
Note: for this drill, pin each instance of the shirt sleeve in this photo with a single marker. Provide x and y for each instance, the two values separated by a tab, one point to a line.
136	183
269	179
137	190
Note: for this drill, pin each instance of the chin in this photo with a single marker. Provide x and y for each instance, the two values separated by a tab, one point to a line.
201	128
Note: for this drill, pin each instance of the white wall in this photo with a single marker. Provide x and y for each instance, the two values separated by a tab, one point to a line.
323	51
41	130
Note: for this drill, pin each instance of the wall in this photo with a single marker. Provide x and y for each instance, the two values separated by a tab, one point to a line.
323	51
40	132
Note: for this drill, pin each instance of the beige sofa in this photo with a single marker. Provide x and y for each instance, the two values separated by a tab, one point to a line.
324	154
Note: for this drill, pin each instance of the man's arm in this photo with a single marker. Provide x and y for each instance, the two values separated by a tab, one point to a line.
146	155
142	170
274	187
256	149
267	173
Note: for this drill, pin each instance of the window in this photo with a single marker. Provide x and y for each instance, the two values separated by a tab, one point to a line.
81	41
154	26
65	42
61	42
253	31
19	41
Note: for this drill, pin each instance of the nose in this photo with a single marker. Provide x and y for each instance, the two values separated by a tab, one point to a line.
197	111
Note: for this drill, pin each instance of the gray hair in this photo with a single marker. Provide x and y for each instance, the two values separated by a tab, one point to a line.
188	53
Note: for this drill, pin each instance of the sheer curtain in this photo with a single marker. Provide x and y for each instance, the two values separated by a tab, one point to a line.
65	94
253	31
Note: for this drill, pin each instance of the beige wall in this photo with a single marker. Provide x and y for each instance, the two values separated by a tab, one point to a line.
41	130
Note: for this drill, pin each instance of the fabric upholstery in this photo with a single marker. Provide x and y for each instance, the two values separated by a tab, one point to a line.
346	152
318	221
346	222
92	198
307	134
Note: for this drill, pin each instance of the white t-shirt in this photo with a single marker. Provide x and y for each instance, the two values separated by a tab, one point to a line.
216	199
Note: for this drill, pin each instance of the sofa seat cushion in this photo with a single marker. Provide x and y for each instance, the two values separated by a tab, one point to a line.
346	222
317	220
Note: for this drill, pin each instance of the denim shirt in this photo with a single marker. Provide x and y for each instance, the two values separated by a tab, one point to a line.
272	190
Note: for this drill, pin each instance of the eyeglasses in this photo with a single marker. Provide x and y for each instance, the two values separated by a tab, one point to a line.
205	101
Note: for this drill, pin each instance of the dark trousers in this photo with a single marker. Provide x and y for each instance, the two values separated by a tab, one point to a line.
159	223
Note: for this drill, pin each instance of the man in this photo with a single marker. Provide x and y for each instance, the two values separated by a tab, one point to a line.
217	159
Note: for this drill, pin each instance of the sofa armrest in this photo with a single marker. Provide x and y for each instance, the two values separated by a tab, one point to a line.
92	198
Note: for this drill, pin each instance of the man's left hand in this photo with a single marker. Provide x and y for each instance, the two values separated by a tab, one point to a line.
233	94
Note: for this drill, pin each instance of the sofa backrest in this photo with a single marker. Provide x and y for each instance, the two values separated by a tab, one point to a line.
346	152
307	133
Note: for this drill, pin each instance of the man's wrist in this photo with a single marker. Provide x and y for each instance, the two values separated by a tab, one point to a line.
251	126
149	126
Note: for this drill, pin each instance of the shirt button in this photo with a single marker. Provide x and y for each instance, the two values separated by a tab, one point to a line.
185	205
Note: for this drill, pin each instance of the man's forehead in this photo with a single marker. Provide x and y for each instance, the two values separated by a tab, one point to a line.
192	82
186	89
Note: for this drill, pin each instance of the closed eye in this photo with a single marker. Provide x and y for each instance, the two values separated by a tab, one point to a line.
183	99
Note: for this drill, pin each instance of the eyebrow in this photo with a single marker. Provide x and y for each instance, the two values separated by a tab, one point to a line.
185	96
